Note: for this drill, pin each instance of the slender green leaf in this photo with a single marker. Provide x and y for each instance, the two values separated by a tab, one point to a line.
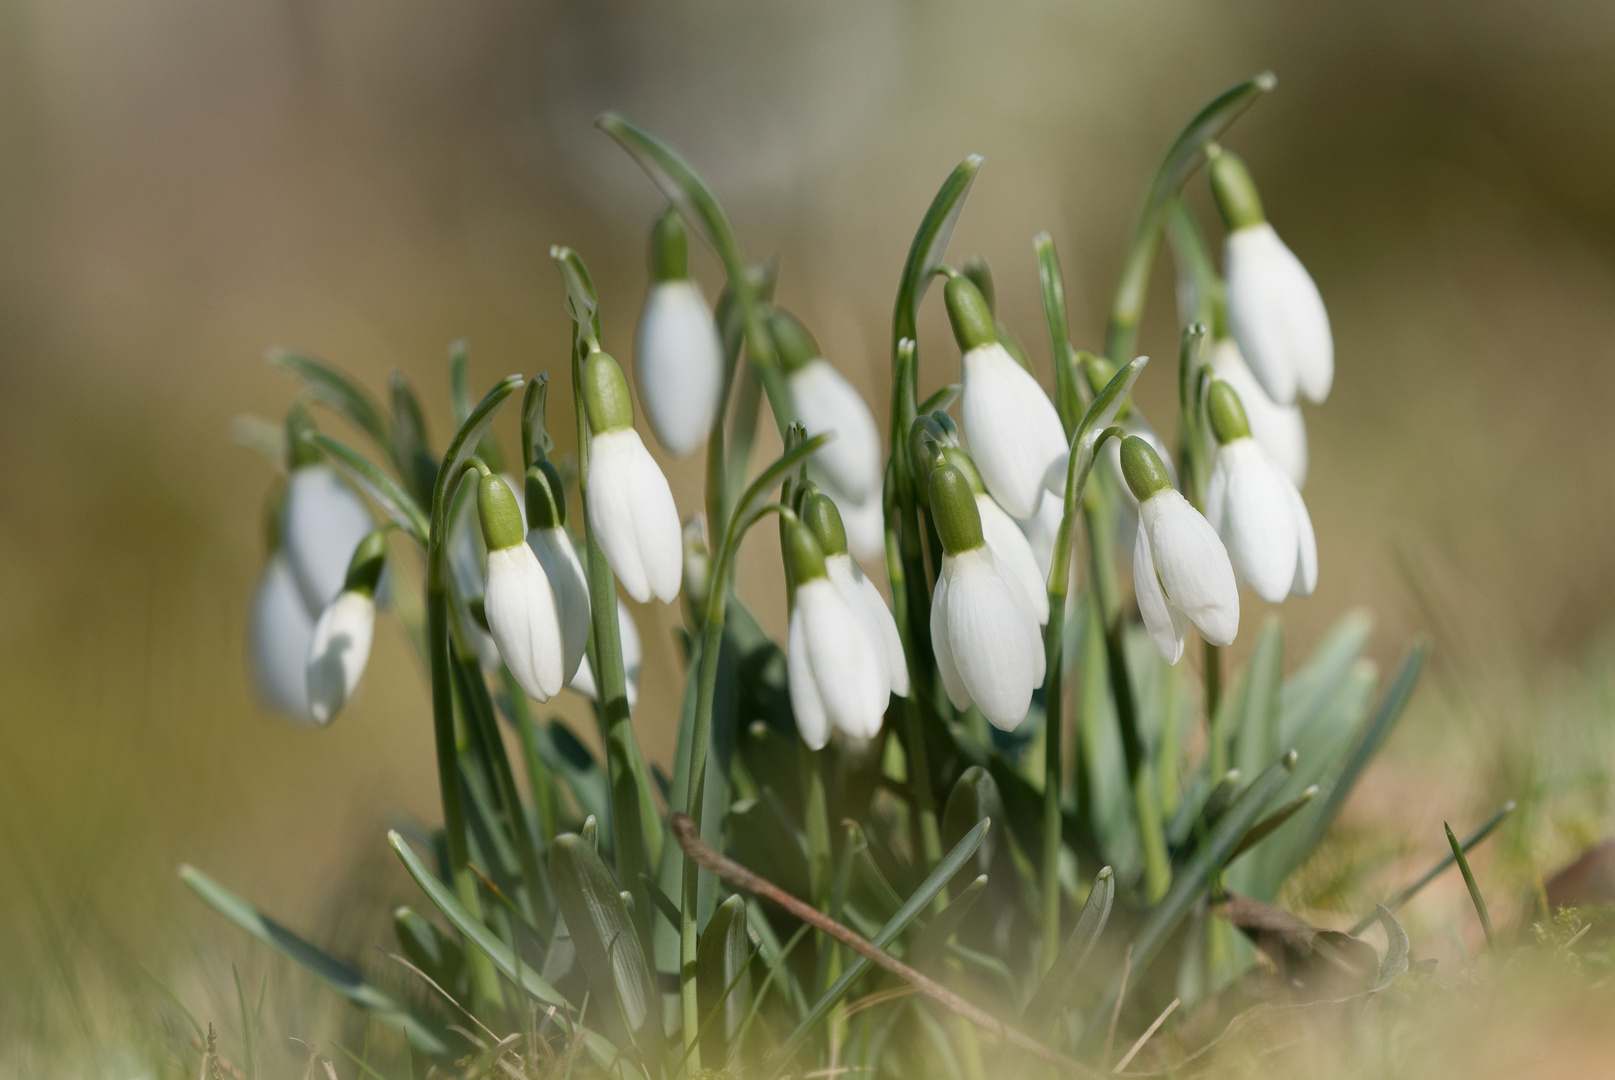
462	447
1054	993
1395	963
1395	902
1266	827
1255	729
394	501
460	401
929	245
582	302
411	445
336	389
339	976
1474	889
723	977
428	948
942	399
930	942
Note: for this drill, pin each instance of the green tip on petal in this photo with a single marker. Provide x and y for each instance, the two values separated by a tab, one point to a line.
1142	467
968	311
605	394
1228	420
981	275
953	510
546	496
299	451
793	342
1235	191
369	559
669	247
501	518
820	515
805	555
962	461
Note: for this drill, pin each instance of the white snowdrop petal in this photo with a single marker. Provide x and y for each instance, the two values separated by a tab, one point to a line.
678	364
1011	426
524	623
1258	519
1167	628
629	512
1192	565
1278	317
886	632
571	588
632	659
806	705
1280	429
279	631
1306	563
1015	552
826	401
941	647
338	653
993	639
1041	530
324	521
847	664
656	527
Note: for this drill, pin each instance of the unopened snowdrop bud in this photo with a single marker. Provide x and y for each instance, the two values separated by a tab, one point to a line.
1256	509
631	510
984	630
824	400
546	535
820	515
678	356
1274	309
633	658
518	600
323	522
835	666
1004	536
1181	573
1279	428
340	647
1014	433
279	630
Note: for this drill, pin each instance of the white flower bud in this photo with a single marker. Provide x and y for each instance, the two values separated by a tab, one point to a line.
678	363
324	521
1279	428
633	517
835	669
862	596
1277	316
1263	521
338	653
1009	543
851	463
570	586
633	658
985	636
524	622
1011	427
279	631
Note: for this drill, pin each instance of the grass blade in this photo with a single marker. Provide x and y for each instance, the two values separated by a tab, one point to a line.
1474	889
1395	903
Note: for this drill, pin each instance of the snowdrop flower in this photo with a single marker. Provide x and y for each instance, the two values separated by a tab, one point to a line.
1011	427
546	535
850	464
468	560
340	648
633	658
1041	529
1005	537
834	665
983	628
678	357
1279	428
631	511
1181	573
1274	309
1256	509
517	599
323	522
820	515
279	630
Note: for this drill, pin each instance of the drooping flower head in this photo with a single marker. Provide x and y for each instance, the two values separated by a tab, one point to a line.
821	517
546	535
631	510
517	599
678	356
1004	536
850	465
835	663
340	647
984	630
1280	429
1256	509
1274	309
1010	425
1181	574
279	629
323	521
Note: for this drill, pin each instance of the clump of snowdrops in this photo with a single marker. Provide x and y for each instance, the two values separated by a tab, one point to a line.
949	829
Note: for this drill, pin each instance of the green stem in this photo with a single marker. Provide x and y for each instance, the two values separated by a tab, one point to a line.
1213	674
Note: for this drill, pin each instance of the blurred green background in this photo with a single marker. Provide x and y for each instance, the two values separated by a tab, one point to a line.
183	184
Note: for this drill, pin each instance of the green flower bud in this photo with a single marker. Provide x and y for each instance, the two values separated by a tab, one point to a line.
793	342
820	515
369	559
972	318
299	451
546	496
950	429
804	554
501	518
1235	191
1227	413
669	247
1142	467
605	394
953	510
961	461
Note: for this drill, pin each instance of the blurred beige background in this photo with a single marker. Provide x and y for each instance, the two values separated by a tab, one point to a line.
183	184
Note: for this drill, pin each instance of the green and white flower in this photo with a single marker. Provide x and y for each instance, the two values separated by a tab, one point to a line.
1006	537
819	514
323	521
678	356
1280	429
850	465
340	647
547	536
1181	573
518	601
